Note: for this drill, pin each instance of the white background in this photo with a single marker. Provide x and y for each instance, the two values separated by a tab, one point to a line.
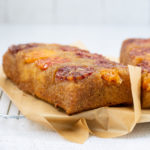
99	12
101	25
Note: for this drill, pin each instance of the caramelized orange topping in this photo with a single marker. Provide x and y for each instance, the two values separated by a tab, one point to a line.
74	73
44	58
45	63
138	60
38	54
111	76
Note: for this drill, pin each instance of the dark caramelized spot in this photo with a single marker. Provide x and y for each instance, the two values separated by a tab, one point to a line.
73	73
139	52
106	63
145	64
16	48
43	64
83	54
72	49
68	48
100	60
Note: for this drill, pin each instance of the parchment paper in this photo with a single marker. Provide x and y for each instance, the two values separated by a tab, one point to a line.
105	122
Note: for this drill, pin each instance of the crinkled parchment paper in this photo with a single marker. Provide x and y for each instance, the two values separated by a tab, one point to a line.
105	122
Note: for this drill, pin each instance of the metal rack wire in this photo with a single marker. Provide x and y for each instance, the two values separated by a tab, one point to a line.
7	109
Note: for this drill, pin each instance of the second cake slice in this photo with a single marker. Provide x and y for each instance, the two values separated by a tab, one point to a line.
137	52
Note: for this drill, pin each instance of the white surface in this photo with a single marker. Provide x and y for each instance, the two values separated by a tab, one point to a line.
128	12
23	134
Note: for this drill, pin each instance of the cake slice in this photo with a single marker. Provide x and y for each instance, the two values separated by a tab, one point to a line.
67	77
137	52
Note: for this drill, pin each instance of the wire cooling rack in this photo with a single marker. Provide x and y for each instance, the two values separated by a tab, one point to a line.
7	108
